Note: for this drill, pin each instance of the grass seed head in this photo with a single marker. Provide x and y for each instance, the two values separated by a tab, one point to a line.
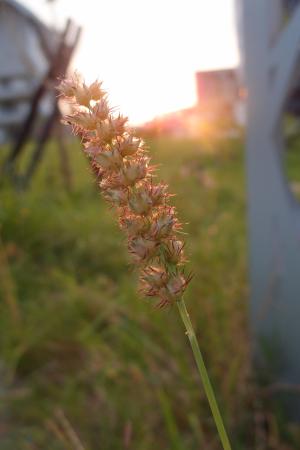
121	164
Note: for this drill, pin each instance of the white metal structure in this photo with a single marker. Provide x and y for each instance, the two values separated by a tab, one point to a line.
271	44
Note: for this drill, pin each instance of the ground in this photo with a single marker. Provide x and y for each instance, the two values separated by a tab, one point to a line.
88	364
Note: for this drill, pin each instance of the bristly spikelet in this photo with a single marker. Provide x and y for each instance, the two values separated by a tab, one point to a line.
122	166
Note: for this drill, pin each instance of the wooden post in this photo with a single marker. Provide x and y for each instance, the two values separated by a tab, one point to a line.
59	68
40	146
30	119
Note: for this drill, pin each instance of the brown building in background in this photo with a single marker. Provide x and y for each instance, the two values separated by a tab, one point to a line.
220	98
220	107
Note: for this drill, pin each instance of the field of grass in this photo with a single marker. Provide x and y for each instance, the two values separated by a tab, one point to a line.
87	364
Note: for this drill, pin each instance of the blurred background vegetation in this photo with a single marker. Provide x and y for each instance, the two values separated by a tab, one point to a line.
87	364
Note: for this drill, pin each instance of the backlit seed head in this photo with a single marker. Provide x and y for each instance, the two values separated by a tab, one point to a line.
174	251
120	163
95	90
105	132
134	171
110	159
157	193
153	277
101	110
91	150
173	290
142	249
177	285
133	225
118	124
110	180
68	86
163	224
116	196
140	202
83	95
83	120
129	145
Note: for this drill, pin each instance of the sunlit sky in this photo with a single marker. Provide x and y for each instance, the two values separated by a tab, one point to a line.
147	51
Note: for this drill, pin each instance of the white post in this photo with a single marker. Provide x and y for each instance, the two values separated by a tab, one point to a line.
270	53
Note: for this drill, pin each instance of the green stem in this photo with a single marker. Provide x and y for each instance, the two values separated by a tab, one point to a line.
204	375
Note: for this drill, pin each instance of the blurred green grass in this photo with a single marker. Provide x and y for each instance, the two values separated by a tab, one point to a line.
88	356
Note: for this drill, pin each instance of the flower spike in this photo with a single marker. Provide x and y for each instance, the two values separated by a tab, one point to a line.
121	164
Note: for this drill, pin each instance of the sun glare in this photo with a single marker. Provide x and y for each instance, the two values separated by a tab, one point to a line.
147	51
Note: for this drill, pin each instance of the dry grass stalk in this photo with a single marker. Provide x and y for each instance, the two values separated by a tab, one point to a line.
126	179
